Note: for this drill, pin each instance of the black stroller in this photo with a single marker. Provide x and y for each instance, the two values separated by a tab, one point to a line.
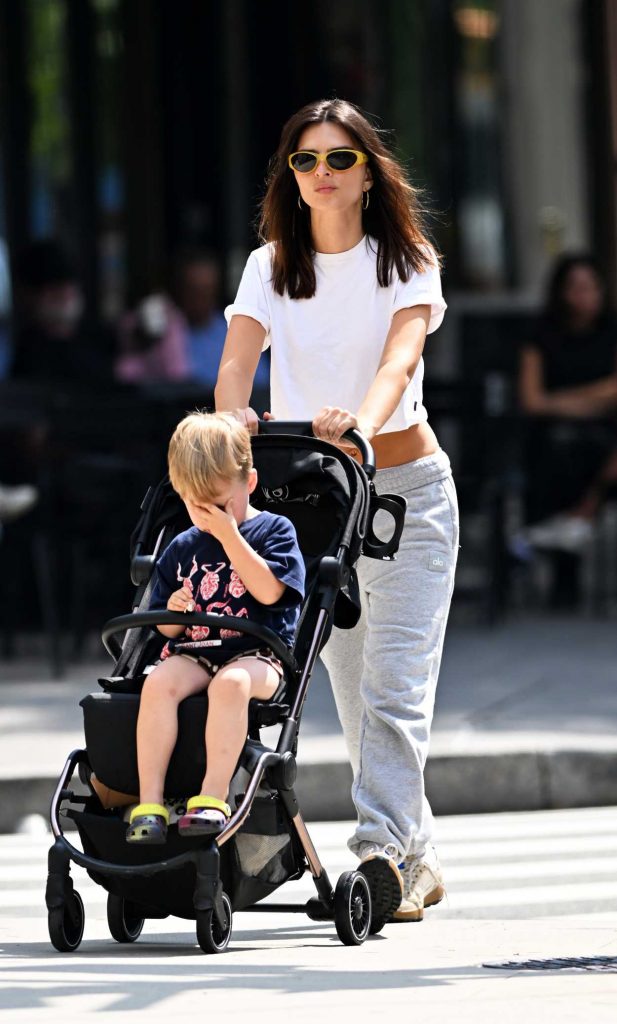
332	503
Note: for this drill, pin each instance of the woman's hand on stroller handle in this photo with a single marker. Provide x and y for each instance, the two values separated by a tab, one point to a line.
248	418
331	424
305	428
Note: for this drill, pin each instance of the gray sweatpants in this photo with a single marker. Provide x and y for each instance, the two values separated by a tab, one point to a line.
384	671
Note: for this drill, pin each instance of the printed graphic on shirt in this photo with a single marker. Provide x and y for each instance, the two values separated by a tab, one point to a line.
197	561
221	580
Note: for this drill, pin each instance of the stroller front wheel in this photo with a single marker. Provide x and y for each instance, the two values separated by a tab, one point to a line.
352	908
210	935
66	924
123	919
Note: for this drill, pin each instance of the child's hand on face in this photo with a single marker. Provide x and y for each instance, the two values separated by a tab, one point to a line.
220	522
182	600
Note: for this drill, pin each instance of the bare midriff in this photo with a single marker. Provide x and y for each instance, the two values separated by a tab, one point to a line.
401	446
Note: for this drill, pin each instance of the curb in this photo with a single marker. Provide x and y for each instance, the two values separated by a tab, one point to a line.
479	784
527	781
462	784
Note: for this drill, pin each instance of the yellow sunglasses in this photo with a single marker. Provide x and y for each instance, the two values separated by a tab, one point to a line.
306	160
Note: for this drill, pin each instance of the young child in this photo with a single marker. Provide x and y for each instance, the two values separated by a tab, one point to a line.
233	561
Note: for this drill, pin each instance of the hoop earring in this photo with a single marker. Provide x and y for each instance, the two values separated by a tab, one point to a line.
366	196
299	202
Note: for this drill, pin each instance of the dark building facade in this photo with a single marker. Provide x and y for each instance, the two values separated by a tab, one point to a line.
129	127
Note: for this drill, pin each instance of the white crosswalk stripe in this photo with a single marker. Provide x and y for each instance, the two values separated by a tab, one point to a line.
495	866
529	864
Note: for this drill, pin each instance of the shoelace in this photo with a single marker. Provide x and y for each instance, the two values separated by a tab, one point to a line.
412	877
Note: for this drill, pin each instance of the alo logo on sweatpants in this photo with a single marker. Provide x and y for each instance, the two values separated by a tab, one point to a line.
437	562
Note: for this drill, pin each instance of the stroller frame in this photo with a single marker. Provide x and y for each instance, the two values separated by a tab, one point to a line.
348	904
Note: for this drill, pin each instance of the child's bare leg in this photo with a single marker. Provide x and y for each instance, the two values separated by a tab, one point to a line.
229	694
157	724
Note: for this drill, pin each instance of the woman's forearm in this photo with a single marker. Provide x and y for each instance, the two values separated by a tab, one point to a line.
603	392
239	361
383	397
585	401
400	358
233	389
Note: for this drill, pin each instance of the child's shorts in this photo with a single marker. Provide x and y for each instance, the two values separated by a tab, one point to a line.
211	666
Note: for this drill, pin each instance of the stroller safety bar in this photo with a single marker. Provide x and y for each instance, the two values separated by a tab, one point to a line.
136	619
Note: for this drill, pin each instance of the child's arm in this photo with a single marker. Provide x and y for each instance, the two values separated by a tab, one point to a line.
254	572
179	601
252	569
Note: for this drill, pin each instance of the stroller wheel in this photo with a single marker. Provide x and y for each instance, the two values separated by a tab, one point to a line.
210	935
66	924
352	908
123	919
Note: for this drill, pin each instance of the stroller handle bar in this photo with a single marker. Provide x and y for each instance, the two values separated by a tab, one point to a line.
134	620
304	428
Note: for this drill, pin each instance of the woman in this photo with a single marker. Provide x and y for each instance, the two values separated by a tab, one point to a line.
568	383
344	291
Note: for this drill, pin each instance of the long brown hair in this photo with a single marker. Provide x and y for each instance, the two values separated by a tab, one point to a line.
393	219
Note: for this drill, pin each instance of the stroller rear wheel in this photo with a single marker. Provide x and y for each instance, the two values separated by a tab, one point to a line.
123	918
352	908
66	924
210	935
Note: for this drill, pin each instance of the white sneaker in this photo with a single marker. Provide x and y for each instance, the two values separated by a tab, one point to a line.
563	532
16	501
379	865
422	886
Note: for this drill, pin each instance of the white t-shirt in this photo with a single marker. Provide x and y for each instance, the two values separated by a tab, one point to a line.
326	350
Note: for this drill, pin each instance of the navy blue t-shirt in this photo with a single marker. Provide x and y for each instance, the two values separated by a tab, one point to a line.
199	558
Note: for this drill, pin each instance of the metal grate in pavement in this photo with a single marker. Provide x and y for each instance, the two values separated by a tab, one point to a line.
560	963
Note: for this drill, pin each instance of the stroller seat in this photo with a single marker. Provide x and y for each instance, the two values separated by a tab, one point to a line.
107	714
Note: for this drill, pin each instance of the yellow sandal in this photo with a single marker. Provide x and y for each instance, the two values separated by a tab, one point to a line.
148	824
205	816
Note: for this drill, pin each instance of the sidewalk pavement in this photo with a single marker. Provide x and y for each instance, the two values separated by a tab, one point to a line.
525	719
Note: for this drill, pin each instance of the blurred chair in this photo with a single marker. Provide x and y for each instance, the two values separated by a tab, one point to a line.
65	567
27	587
27	595
105	451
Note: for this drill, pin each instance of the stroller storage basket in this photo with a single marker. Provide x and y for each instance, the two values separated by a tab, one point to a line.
253	864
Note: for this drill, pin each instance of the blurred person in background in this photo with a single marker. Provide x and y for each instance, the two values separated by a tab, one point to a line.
568	384
152	343
179	339
198	292
54	341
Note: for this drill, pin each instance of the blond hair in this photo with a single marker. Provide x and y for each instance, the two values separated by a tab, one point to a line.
205	449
